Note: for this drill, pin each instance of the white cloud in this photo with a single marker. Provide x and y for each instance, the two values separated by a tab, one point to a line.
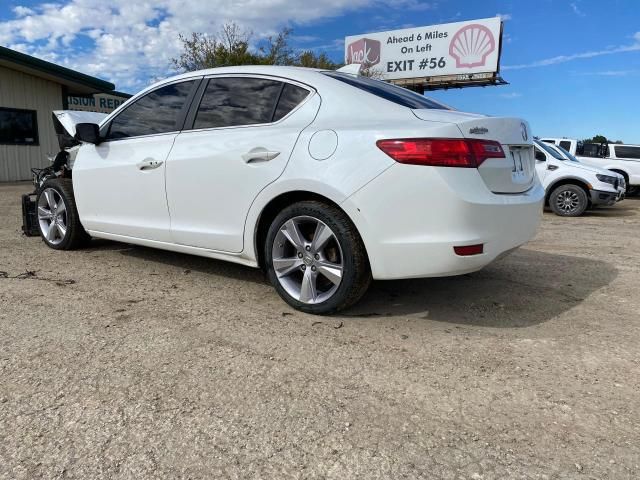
22	11
634	47
504	16
510	95
576	9
611	73
128	42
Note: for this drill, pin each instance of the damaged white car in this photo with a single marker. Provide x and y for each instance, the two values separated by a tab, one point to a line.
324	179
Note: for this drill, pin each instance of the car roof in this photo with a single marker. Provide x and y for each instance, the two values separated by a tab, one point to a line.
301	74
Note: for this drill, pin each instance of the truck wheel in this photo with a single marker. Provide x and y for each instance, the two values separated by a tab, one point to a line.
58	218
568	201
315	258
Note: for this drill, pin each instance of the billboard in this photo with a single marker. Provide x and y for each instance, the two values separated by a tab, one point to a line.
453	49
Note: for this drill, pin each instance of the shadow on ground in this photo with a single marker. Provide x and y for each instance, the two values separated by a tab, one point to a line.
527	288
613	211
191	262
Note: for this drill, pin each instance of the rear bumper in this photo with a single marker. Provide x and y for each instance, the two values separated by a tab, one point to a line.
411	218
599	197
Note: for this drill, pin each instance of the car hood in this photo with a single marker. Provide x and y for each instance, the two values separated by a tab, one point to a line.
590	168
65	121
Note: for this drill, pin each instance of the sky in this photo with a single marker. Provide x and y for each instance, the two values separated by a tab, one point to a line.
573	66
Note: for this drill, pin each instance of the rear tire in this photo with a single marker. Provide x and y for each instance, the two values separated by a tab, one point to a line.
316	259
58	219
568	201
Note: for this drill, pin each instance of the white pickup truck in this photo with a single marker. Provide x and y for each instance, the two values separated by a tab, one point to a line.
573	186
623	159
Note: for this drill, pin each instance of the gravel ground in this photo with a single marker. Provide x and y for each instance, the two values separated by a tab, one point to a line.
125	362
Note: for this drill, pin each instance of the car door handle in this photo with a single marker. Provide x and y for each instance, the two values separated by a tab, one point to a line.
259	153
149	164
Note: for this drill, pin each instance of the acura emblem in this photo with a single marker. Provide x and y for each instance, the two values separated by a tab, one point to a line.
523	128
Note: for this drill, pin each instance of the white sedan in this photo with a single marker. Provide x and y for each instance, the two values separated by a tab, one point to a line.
323	179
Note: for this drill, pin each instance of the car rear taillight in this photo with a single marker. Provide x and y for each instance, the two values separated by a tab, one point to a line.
441	152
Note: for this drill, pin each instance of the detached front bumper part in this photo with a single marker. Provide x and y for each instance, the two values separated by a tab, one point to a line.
30	215
598	197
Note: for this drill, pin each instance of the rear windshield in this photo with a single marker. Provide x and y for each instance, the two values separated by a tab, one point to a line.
398	95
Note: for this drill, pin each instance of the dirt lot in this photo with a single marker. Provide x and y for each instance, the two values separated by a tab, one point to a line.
126	362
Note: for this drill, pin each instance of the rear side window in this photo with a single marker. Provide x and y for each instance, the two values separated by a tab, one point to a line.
157	112
627	152
393	93
290	98
590	150
565	145
237	101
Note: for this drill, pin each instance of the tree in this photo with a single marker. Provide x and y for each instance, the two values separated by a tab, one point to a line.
229	47
232	46
600	139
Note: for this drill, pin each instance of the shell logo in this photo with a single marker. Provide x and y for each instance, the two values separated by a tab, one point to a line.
471	46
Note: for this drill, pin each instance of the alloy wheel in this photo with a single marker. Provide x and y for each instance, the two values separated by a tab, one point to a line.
568	201
307	259
52	215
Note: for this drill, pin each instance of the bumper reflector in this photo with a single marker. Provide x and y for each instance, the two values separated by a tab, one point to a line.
469	250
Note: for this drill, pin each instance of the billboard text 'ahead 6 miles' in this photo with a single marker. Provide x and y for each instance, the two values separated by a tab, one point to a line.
460	48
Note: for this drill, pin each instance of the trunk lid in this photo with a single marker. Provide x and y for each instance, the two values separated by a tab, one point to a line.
513	174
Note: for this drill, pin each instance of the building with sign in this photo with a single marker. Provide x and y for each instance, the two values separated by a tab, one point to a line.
30	89
452	55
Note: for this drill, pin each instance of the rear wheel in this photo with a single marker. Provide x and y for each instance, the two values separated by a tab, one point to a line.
568	201
58	218
315	258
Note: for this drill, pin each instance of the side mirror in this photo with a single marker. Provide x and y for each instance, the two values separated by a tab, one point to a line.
88	133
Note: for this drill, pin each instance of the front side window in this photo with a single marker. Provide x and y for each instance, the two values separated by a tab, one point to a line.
565	145
627	152
157	112
237	101
18	127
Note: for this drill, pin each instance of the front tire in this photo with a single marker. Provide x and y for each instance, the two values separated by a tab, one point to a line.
315	258
58	218
568	201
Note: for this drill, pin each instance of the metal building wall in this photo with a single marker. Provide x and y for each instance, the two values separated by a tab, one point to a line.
20	90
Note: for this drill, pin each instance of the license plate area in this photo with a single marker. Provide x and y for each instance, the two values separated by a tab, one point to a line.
520	161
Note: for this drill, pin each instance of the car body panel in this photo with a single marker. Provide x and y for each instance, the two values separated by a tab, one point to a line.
210	187
409	217
114	195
